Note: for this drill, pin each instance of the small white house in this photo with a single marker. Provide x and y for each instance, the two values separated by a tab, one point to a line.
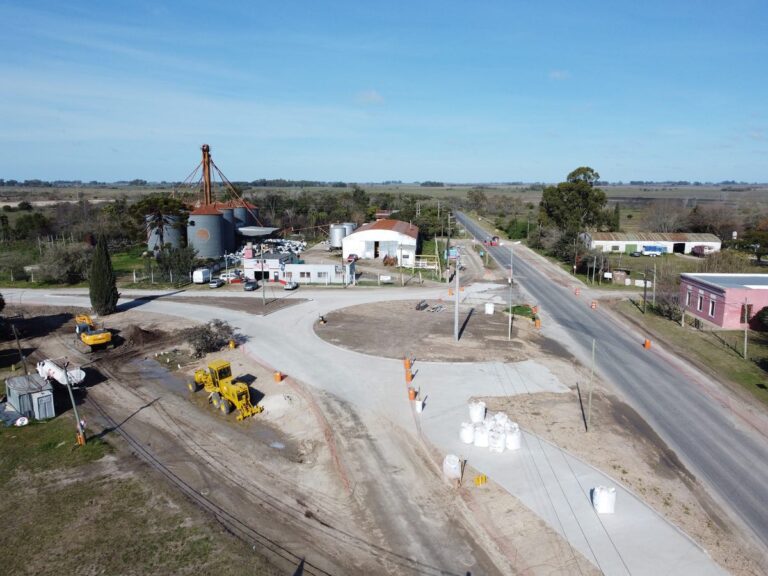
675	242
382	238
269	266
320	273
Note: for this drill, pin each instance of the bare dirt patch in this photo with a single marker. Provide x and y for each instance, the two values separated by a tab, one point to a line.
396	330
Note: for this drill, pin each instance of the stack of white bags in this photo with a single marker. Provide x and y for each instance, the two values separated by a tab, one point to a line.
497	432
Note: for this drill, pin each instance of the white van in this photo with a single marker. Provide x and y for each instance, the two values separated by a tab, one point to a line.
201	276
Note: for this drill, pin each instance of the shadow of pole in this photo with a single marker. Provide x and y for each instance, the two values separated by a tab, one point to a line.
466	321
111	429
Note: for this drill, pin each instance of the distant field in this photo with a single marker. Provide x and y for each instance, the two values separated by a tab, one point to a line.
730	194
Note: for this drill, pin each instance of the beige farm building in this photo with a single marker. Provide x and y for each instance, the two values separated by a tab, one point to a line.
675	242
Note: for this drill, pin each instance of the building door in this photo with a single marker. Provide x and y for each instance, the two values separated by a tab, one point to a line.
678	247
631	248
375	249
276	276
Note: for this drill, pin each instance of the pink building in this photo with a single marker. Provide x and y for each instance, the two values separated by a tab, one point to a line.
720	299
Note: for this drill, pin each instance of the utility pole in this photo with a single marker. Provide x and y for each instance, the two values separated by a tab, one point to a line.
594	266
456	311
80	431
447	247
654	284
645	288
22	358
591	385
746	327
263	282
509	328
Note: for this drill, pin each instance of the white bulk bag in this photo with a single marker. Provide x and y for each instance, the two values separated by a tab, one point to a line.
476	412
452	467
496	441
604	499
481	436
467	433
514	437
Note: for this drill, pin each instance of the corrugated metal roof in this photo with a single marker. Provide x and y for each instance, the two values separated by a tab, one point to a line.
653	237
754	281
395	225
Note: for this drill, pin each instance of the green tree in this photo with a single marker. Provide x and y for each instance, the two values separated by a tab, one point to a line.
103	288
32	225
761	316
573	205
477	200
176	263
616	220
2	303
67	263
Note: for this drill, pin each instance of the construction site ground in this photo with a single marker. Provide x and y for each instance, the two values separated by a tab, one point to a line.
342	485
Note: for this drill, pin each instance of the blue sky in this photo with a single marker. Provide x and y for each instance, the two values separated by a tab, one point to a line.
456	91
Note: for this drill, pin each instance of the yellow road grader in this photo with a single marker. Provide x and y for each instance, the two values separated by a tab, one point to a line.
224	392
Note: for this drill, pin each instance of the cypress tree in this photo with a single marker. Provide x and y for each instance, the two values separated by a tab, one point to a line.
103	288
616	218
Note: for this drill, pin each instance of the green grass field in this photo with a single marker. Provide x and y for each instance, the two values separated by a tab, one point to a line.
717	352
74	510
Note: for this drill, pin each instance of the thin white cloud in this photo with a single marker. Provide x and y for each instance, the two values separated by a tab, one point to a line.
370	97
559	75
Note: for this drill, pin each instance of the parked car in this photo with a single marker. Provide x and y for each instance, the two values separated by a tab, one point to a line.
636	254
250	285
353	258
290	286
701	251
229	276
216	283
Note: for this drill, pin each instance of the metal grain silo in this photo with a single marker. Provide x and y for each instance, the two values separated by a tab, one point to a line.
241	215
204	232
349	227
337	234
228	228
167	232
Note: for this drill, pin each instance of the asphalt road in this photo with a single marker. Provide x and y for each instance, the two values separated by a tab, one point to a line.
730	457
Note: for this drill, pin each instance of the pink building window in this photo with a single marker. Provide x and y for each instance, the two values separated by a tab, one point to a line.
700	303
688	298
712	308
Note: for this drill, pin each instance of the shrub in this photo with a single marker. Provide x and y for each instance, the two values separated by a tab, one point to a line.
209	337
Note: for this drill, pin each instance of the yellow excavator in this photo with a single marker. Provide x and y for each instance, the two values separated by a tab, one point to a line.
89	337
225	393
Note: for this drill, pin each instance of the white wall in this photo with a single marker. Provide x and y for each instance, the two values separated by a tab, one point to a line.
362	243
607	245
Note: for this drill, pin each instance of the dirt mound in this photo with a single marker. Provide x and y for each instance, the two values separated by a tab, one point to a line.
137	336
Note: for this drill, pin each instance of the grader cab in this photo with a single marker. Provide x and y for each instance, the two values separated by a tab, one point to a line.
89	337
224	392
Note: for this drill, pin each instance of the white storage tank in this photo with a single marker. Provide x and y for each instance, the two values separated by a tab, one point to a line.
337	234
349	227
